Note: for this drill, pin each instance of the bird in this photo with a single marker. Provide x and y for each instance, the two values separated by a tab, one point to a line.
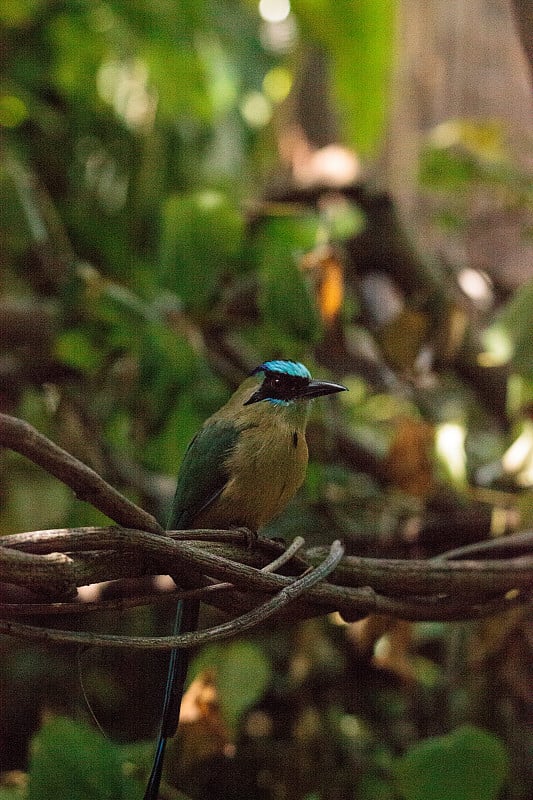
240	470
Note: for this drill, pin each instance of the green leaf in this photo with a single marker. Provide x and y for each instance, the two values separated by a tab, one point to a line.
75	348
165	450
242	674
72	761
359	38
179	77
514	321
285	300
466	764
202	236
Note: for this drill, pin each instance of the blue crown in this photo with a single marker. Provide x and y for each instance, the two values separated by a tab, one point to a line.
293	368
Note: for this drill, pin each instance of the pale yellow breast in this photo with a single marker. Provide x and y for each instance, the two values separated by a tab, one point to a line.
266	469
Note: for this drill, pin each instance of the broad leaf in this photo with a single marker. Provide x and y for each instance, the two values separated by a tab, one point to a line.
71	760
242	674
467	764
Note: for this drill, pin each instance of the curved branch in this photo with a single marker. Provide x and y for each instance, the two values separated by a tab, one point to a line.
51	574
515	544
123	603
187	640
439	589
170	555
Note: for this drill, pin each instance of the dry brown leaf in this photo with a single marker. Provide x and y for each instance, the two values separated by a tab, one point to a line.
202	732
395	640
409	463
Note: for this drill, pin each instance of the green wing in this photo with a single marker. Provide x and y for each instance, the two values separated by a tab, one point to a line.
202	476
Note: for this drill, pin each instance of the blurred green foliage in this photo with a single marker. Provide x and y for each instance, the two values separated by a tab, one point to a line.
132	119
243	673
361	83
466	158
56	769
467	764
145	269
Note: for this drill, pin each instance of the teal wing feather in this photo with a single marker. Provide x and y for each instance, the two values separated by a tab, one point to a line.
202	474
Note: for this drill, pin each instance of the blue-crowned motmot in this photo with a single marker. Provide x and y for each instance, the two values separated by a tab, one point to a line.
240	470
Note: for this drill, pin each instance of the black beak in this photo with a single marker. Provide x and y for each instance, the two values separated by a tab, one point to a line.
320	388
298	389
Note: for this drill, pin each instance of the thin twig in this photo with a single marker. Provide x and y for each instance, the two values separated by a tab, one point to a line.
403	576
514	544
278	562
286	556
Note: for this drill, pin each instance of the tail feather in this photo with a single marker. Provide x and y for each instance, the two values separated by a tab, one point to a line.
186	620
152	787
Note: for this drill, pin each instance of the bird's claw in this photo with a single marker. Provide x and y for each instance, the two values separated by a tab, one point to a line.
250	537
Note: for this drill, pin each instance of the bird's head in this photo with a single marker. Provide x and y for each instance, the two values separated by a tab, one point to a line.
286	382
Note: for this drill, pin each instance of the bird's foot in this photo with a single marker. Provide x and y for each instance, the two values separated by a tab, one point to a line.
250	536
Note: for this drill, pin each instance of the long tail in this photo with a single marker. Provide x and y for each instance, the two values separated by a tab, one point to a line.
186	620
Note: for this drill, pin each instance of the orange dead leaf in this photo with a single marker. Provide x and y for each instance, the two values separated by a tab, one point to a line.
327	271
200	701
393	652
331	290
